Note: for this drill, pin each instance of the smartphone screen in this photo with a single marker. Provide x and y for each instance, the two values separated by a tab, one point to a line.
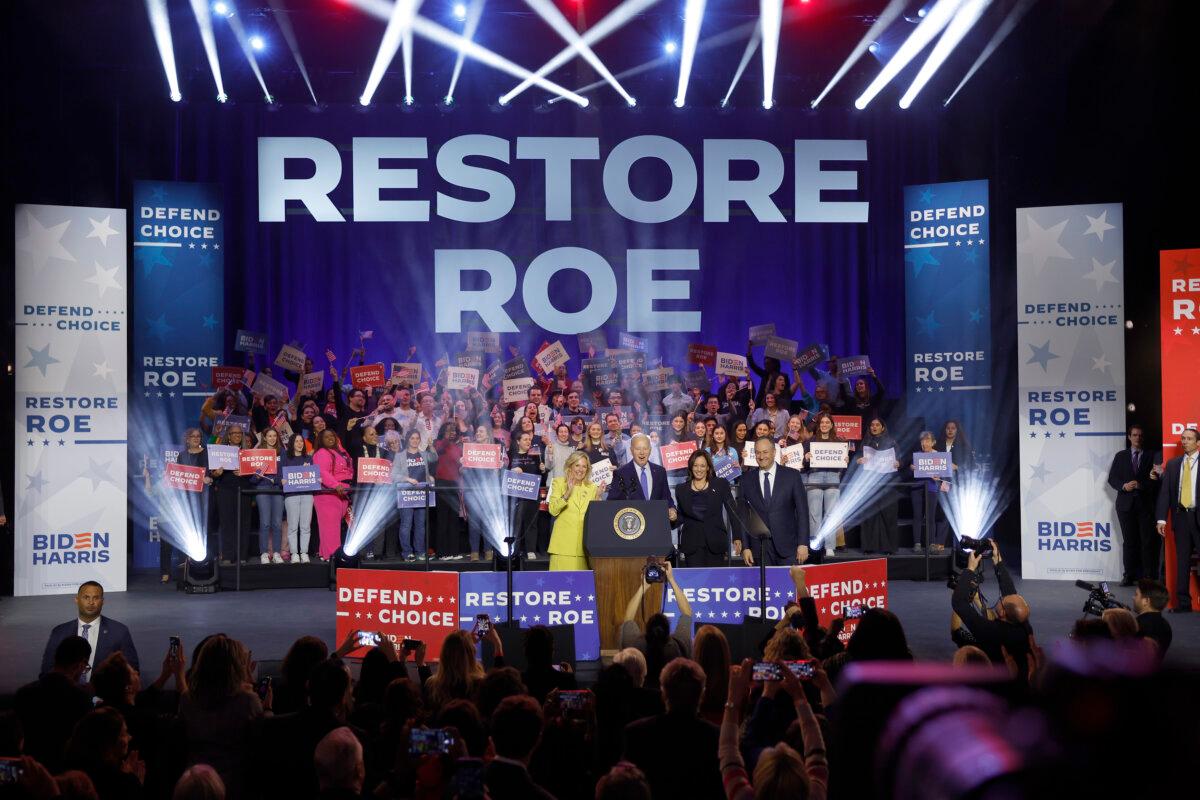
801	669
765	671
174	647
423	741
368	639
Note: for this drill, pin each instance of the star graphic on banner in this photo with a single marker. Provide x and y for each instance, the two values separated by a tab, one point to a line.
1062	434
40	358
591	597
1178	332
1041	355
152	257
976	315
537	617
1183	266
1033	434
920	257
358	615
1047	434
43	243
191	245
927	195
1041	244
101	230
29	442
104	279
102	369
578	598
737	615
205	260
209	322
158	194
45	442
928	324
98	473
204	245
1196	331
36	482
971	256
159	327
524	618
216	247
1101	273
1102	363
1098	225
724	615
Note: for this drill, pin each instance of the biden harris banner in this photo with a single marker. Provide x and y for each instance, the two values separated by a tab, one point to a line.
71	370
179	310
1071	378
948	327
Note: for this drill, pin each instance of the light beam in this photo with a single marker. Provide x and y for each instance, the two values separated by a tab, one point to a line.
889	15
693	16
1006	27
160	24
472	16
771	17
239	32
968	14
747	54
929	27
399	22
554	18
289	36
204	21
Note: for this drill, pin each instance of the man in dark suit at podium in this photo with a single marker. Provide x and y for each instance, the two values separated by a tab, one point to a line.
777	495
641	480
1129	475
1179	498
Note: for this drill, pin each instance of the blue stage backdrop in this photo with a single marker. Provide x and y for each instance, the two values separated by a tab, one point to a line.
300	278
179	326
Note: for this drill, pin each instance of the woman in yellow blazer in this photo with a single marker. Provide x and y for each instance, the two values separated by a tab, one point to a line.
568	502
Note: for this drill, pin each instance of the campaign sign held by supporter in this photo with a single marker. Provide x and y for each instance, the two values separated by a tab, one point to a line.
760	333
305	478
847	427
596	341
311	382
516	390
410	496
810	356
551	356
631	342
539	598
406	373
727	467
828	455
731	364
931	465
224	456
224	376
855	365
368	376
399	605
262	460
602	472
266	386
291	358
374	470
462	378
181	476
225	424
675	456
793	456
480	456
523	485
702	354
783	349
250	342
483	342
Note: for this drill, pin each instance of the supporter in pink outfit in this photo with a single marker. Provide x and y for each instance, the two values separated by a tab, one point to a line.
336	473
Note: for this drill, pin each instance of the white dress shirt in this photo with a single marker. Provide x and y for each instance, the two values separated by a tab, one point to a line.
92	636
761	478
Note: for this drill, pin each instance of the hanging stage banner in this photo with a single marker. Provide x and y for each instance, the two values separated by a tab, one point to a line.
1071	380
70	374
178	316
948	350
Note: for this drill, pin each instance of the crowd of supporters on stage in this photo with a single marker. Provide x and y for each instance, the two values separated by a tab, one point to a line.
421	426
815	713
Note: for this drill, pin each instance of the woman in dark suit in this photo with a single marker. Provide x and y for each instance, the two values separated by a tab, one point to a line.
701	499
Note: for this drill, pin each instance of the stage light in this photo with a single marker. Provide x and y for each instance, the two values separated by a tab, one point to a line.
873	48
889	15
408	99
693	16
472	15
160	25
239	32
975	503
341	559
1129	324
968	14
221	9
257	42
364	101
200	11
222	97
399	23
631	102
460	11
771	17
448	100
768	104
929	27
669	47
555	19
200	575
1006	27
1131	408
921	12
283	20
751	45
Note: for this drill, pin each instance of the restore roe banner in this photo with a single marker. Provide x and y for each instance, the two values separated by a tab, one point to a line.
1071	377
179	311
69	508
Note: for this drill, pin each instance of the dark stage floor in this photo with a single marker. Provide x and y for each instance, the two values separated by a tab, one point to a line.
268	621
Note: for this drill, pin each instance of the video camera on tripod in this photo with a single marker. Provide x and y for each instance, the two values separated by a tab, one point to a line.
1099	598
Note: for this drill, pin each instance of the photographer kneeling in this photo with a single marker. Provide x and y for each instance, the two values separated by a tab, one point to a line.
1008	631
659	643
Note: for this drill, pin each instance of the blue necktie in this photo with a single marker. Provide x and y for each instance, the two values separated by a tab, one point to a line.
766	488
645	484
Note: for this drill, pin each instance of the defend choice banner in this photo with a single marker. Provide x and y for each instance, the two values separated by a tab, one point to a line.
408	605
1071	378
948	339
70	373
178	315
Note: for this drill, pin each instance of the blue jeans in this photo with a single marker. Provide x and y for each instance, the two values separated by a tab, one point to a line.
270	522
412	532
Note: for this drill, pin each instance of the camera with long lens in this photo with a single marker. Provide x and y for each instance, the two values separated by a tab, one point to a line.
1099	598
654	572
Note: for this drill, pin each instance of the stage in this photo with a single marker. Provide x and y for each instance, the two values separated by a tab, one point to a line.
269	621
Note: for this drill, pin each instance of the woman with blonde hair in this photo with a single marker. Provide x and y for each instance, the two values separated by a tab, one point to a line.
568	502
458	671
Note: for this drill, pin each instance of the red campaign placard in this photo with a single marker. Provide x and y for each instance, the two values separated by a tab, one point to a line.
702	354
852	583
480	456
399	605
847	428
223	376
675	456
368	376
180	476
255	460
374	470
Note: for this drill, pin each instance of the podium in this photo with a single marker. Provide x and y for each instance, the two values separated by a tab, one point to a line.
619	534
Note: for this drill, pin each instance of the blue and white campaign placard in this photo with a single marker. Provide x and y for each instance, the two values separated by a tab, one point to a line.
539	598
932	465
71	375
305	478
1071	378
524	486
410	496
224	456
947	299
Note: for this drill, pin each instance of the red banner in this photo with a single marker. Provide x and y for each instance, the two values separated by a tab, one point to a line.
1179	329
223	376
368	376
180	476
480	456
675	456
702	354
848	429
399	605
374	470
835	587
256	460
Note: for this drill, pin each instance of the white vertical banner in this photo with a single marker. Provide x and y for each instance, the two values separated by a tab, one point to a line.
1071	374
70	508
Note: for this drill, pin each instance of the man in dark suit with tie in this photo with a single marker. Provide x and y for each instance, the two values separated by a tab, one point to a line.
1178	499
1129	475
641	480
104	634
777	495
